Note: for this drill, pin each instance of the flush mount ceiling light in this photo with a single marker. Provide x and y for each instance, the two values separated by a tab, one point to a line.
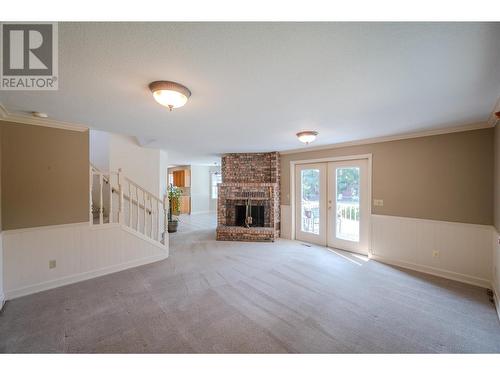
39	114
170	94
307	136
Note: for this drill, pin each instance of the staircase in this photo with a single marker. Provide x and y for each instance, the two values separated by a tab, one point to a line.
117	200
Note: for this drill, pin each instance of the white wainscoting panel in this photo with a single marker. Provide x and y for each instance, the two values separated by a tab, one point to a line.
495	282
465	250
81	252
2	295
286	224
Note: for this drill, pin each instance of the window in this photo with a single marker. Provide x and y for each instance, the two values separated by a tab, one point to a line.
216	179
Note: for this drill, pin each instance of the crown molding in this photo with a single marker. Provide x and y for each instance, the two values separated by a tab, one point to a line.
6	116
397	137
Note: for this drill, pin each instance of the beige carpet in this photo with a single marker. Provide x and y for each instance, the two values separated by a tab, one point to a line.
223	297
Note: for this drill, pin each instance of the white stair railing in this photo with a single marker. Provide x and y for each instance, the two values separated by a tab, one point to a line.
114	198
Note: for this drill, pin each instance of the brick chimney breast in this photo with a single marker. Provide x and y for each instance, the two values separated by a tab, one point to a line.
249	180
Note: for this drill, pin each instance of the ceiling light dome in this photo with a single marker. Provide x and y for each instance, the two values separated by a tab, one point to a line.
307	136
39	114
170	94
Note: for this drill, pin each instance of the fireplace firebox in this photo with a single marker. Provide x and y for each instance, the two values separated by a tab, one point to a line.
256	213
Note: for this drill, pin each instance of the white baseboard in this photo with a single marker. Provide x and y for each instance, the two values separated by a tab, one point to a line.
82	276
468	279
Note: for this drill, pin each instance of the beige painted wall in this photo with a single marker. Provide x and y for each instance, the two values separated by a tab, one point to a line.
2	297
45	176
496	195
443	177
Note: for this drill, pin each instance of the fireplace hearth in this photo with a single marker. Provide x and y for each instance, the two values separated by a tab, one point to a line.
248	197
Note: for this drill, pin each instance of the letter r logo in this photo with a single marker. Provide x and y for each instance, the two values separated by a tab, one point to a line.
27	49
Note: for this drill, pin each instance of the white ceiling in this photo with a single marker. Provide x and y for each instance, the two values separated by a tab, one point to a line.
254	85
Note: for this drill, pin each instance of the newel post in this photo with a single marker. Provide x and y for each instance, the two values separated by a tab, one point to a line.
121	216
165	217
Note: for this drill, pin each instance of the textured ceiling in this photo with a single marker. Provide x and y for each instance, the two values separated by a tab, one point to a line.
254	85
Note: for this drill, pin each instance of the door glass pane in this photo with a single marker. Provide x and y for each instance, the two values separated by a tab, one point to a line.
347	196
310	184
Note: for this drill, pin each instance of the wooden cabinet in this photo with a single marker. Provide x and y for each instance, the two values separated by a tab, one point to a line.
185	204
178	178
182	178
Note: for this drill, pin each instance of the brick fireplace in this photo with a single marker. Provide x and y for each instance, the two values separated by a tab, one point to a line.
249	197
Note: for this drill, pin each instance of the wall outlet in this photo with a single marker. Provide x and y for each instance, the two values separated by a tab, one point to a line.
52	264
378	202
435	254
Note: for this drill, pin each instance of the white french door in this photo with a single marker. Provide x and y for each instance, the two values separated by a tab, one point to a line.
310	203
349	205
332	204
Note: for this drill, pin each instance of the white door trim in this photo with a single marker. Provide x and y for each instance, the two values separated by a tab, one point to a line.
293	163
322	237
362	246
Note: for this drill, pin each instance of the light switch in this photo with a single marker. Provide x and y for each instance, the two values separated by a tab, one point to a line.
52	264
378	202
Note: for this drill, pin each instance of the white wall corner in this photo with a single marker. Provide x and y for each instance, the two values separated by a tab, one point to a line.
200	189
163	173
